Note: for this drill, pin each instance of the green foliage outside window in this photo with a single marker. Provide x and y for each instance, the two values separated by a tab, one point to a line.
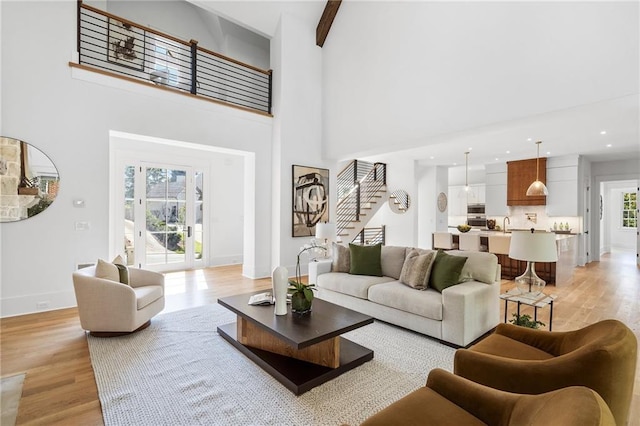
629	210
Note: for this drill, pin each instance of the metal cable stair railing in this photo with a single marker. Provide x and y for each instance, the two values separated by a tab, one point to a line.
361	188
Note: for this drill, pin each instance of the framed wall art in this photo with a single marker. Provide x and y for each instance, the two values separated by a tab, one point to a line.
125	45
310	199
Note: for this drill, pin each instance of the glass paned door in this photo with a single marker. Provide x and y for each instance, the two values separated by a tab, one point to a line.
166	213
163	217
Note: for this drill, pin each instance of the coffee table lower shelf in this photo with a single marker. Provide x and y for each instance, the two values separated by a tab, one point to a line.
296	375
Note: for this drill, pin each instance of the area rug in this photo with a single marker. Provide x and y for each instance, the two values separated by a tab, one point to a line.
10	394
179	371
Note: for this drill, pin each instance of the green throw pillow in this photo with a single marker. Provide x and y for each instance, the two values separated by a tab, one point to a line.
446	271
123	272
365	260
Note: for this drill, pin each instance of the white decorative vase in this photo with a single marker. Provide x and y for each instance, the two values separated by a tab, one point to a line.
280	282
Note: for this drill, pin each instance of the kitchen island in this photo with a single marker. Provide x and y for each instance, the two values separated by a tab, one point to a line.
559	273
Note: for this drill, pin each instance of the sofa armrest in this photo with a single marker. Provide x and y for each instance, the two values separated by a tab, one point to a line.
469	310
318	267
489	405
143	277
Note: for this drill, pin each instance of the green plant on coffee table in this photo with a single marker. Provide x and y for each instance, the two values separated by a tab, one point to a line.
301	296
301	293
526	321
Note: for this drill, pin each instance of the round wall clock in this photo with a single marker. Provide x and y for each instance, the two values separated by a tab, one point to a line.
442	201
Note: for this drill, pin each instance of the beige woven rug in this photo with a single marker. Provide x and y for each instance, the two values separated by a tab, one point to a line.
180	372
10	393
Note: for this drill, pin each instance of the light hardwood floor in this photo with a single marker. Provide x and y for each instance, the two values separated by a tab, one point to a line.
60	388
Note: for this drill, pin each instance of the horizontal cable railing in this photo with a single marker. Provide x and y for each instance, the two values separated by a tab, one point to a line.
367	180
119	46
370	236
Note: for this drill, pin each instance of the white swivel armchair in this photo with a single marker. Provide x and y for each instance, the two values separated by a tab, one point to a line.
108	308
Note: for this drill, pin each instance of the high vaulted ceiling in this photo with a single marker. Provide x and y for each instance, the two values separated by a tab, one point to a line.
601	129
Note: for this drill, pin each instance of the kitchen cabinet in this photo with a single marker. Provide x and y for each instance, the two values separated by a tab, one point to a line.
562	182
496	190
520	175
457	201
476	194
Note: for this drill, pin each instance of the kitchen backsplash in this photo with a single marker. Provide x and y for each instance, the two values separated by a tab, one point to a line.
525	217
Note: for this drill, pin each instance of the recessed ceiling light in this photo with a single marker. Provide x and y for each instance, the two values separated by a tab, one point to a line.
609	145
432	157
548	152
603	132
470	149
497	158
455	164
529	139
508	152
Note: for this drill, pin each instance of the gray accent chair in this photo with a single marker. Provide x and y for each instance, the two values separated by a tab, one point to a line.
108	308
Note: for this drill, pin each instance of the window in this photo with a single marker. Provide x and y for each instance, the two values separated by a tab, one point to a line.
629	210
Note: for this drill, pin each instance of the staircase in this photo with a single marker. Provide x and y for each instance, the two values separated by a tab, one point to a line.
362	189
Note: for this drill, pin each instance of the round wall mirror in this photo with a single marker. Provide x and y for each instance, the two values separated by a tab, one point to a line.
399	201
28	180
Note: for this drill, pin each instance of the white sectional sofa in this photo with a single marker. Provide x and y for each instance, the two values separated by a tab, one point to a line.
458	315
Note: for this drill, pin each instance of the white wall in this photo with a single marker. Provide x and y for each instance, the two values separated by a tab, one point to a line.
400	229
68	115
402	74
297	136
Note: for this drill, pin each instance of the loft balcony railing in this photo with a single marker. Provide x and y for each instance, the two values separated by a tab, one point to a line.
132	51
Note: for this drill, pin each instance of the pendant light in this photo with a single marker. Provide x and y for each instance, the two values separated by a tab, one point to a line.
537	188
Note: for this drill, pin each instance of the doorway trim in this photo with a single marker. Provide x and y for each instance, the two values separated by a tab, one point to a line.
123	146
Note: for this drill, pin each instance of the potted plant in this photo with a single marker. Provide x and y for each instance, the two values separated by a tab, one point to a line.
302	293
526	321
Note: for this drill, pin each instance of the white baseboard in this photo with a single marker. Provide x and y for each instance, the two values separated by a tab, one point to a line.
34	303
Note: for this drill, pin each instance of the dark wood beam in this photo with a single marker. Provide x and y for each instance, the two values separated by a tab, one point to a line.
330	11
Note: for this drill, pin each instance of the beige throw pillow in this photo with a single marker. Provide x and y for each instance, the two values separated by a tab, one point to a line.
417	269
341	258
107	271
115	271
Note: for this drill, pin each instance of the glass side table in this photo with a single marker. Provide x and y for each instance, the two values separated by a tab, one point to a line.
536	301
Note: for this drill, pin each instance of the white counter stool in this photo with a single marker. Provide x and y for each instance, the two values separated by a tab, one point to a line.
499	244
443	240
470	241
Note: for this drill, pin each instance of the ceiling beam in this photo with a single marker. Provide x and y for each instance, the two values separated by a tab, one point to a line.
322	30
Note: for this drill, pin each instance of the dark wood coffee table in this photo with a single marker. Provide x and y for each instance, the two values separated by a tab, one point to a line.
301	352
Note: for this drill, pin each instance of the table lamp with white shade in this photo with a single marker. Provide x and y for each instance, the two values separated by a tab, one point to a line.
326	233
532	247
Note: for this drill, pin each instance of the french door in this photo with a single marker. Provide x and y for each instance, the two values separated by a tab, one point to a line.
163	216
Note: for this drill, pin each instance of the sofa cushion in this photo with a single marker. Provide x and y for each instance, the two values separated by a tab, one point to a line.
146	295
446	271
392	259
340	259
353	285
396	295
416	269
480	266
365	260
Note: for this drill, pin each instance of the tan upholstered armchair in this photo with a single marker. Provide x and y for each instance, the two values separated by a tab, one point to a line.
452	400
601	356
109	308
